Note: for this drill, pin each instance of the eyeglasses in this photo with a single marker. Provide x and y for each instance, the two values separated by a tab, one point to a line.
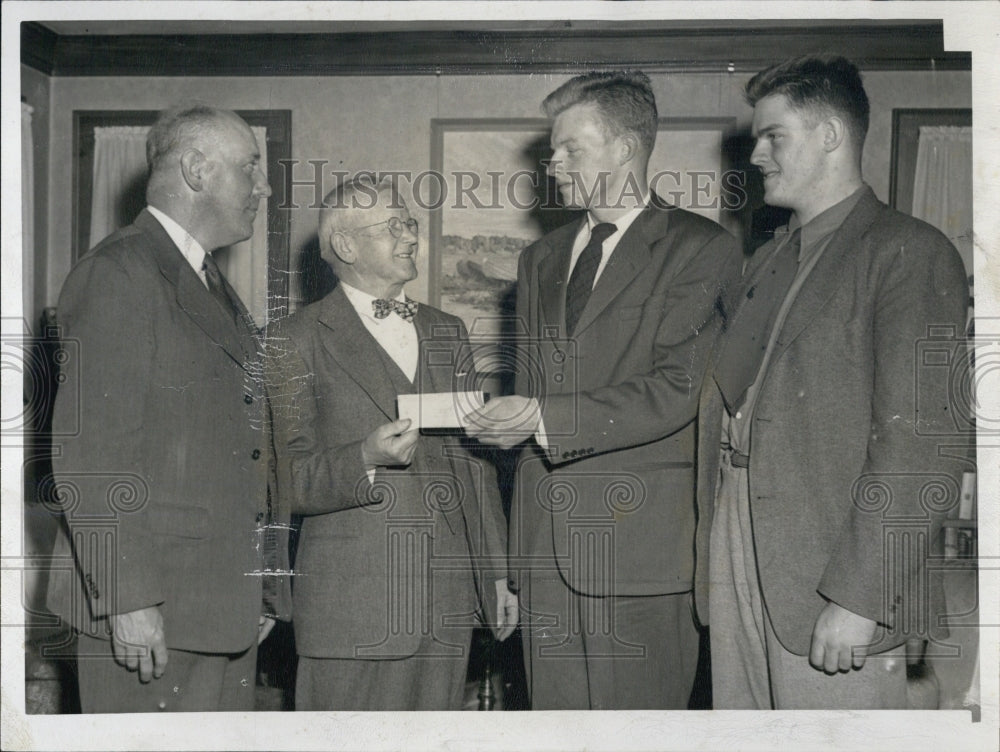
395	225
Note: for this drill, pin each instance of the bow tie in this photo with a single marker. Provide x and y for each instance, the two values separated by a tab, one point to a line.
406	310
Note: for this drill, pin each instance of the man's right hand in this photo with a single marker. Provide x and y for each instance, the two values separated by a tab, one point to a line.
137	642
390	445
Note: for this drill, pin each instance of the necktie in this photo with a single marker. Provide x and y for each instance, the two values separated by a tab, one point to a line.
405	310
744	341
247	332
216	286
581	281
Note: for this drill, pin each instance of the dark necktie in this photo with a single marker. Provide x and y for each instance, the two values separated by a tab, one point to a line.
581	281
405	310
744	341
217	287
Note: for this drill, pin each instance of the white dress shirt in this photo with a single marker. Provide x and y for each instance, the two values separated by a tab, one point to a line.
610	243
607	248
396	335
189	247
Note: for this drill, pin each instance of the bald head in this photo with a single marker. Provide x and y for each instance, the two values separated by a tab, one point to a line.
205	173
368	238
353	204
182	128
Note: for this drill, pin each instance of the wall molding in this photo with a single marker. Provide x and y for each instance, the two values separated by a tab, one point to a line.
399	50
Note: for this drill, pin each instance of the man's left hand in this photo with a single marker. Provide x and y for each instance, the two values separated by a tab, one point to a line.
507	611
264	627
504	421
840	639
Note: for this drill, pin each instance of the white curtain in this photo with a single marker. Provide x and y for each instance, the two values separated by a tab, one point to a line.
942	184
119	194
27	218
119	178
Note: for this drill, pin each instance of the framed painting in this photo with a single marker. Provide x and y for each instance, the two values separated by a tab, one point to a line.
494	198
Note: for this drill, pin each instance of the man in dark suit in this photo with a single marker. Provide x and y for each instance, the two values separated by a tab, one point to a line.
402	548
832	476
165	485
618	317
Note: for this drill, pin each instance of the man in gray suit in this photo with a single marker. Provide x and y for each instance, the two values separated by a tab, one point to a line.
165	485
403	542
620	312
831	482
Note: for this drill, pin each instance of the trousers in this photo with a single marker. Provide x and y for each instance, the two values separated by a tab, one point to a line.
751	669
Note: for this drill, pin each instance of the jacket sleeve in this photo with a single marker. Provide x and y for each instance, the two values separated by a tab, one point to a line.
313	478
643	407
876	570
101	482
275	541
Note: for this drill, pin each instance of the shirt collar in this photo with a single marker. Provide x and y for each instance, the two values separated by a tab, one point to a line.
185	242
828	221
622	223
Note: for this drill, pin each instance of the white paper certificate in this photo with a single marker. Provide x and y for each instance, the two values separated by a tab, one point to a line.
439	409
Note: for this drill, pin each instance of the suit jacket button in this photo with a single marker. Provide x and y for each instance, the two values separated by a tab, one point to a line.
248	399
255	454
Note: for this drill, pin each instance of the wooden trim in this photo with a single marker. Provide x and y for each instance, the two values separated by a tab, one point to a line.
38	47
279	147
906	124
660	46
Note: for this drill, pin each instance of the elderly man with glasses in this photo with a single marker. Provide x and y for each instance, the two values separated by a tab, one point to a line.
402	549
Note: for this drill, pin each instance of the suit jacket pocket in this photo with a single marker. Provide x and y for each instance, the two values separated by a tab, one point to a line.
180	521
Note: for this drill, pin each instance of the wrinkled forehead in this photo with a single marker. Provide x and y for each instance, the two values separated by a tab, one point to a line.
377	203
364	205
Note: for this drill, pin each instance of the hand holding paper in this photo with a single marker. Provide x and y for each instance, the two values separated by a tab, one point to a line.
504	421
390	445
440	409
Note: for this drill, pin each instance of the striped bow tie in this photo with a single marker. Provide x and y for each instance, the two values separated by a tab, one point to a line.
406	310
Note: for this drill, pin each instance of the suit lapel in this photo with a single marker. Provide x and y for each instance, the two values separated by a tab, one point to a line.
249	335
192	295
630	256
354	349
431	377
553	273
827	275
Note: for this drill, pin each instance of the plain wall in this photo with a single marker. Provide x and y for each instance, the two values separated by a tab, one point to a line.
383	122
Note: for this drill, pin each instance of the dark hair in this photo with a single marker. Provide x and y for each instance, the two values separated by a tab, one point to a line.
177	126
819	84
624	99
